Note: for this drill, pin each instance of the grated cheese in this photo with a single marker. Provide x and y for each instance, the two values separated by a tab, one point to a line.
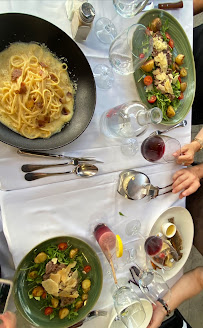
159	44
161	61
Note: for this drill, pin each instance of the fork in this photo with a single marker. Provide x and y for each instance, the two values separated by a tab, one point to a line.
158	132
93	314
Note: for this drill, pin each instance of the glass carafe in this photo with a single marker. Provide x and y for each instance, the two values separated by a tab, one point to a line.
129	120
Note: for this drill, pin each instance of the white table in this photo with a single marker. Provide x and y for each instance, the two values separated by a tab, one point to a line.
32	213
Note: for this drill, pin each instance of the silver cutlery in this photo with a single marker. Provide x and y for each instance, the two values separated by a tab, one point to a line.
59	156
83	170
34	167
181	124
90	316
165	6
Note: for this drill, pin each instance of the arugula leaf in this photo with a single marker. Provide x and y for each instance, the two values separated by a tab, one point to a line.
121	214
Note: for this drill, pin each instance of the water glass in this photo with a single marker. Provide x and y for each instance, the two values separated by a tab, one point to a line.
130	49
129	307
129	8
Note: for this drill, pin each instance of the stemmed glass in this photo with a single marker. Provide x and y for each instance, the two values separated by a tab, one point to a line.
105	29
161	252
151	283
129	50
160	148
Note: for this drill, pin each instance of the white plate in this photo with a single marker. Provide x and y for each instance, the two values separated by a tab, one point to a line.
148	310
184	224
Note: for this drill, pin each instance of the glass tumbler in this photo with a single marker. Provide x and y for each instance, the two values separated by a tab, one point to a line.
129	8
130	49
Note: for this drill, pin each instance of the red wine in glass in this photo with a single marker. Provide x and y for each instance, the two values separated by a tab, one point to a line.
153	245
105	237
153	148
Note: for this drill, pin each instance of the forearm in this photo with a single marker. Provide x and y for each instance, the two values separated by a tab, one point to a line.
197	6
189	285
197	144
198	170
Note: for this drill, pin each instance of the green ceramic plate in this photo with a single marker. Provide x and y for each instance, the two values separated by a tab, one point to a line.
30	308
182	46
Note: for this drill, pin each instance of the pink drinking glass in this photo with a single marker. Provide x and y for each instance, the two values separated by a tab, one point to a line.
160	148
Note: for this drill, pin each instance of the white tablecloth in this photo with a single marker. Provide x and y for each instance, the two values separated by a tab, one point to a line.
33	212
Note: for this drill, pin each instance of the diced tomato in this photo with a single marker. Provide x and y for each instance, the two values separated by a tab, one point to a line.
162	255
152	99
87	268
48	310
148	30
181	96
171	43
168	35
62	246
141	55
148	80
179	79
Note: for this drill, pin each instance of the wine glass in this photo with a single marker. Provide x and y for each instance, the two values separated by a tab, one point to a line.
128	307
130	49
105	30
129	8
161	252
151	283
160	148
104	76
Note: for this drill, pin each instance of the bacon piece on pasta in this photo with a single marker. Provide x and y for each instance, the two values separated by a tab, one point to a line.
43	64
16	73
53	77
65	111
23	89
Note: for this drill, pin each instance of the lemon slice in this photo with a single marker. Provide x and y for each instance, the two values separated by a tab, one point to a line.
119	246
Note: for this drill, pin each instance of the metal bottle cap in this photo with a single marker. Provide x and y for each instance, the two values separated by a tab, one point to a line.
87	12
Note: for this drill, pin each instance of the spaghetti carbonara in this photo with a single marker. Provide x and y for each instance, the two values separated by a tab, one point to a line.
36	94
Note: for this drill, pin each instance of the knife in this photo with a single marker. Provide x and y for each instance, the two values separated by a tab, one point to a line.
59	156
165	6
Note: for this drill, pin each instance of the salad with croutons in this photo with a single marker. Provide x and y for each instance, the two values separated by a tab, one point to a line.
60	280
164	74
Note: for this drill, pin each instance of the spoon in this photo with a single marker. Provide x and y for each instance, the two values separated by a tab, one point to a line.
157	132
34	167
83	170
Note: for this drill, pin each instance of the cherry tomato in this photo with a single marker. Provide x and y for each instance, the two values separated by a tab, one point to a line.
168	35
148	80
141	55
48	310
44	295
181	96
87	268
62	246
171	43
152	99
162	255
179	79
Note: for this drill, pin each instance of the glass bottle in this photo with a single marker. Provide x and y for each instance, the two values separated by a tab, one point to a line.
129	120
82	21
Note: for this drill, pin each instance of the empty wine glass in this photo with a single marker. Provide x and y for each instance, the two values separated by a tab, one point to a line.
129	8
160	148
151	283
105	30
104	76
161	252
128	307
130	49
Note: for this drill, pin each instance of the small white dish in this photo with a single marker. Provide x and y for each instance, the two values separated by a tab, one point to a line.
119	324
168	229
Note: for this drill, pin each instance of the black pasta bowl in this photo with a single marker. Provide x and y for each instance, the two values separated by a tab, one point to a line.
15	27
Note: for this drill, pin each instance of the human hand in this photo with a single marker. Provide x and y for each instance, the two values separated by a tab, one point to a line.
158	315
186	154
186	180
9	320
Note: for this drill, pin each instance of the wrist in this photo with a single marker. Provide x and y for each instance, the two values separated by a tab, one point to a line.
198	170
165	306
197	144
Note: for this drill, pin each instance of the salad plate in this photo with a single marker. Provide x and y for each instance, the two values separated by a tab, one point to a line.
40	311
184	224
181	46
